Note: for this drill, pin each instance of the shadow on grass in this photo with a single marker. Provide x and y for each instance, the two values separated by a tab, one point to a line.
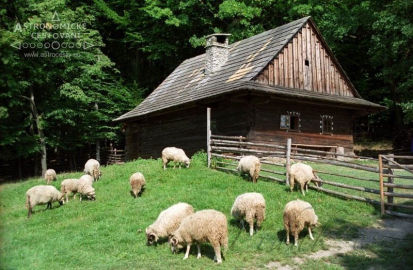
380	255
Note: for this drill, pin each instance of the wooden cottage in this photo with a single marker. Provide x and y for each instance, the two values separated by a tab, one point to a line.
282	83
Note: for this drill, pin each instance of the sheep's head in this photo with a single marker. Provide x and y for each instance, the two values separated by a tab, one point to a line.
315	222
187	162
317	183
175	243
90	193
151	236
61	199
96	174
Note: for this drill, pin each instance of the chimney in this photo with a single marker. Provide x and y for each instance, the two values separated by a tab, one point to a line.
217	51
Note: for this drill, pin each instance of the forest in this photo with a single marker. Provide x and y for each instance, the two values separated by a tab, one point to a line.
68	68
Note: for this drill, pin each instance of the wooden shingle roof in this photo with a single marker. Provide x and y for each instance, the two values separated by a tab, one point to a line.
188	82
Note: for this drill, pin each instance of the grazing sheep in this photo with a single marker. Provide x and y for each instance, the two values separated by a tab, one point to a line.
303	174
42	194
297	215
84	187
250	165
167	222
176	155
203	226
50	175
92	167
249	206
137	181
67	186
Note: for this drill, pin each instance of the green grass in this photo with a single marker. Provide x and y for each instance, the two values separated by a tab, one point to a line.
109	233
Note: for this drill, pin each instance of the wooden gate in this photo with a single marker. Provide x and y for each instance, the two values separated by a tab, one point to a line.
399	177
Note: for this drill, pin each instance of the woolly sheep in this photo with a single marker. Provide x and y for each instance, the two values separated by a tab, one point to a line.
92	167
168	221
84	187
176	155
203	226
303	174
250	165
249	206
68	186
137	181
42	194
297	215
50	175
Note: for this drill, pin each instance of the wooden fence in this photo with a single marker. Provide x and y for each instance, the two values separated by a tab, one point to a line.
344	175
115	156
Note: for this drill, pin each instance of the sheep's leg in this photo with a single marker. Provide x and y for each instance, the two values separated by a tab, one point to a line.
288	235
30	212
251	228
291	182
296	239
165	162
309	232
250	219
188	247
242	224
306	187
179	164
199	251
217	250
302	189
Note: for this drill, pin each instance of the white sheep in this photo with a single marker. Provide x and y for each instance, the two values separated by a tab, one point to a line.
250	165
203	226
297	215
92	167
85	188
137	182
176	155
50	175
168	221
251	207
302	174
42	194
67	186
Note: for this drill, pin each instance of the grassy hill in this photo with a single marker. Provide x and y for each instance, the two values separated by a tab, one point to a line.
109	233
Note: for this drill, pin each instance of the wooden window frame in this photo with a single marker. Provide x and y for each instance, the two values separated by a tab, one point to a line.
323	128
287	119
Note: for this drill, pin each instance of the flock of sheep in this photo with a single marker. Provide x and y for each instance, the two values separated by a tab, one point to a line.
179	223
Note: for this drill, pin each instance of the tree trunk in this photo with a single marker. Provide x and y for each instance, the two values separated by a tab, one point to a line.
43	157
97	141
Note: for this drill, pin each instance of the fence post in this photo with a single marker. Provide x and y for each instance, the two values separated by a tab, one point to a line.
381	184
390	180
288	161
209	136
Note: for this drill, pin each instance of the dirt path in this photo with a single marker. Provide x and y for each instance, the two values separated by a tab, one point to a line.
384	230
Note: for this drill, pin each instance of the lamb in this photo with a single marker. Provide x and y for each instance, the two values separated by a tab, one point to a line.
297	215
176	155
250	165
92	167
67	186
84	187
167	222
50	175
42	194
249	206
303	174
203	226
137	181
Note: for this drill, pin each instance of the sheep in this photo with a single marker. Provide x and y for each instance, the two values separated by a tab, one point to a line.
249	206
176	155
303	174
50	175
203	226
167	222
84	187
92	167
137	182
67	186
250	165
42	194
297	215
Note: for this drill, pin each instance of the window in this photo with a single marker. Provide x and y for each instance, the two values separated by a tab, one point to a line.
307	63
326	124
290	121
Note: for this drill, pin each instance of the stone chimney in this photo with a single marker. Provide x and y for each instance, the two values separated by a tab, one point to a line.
217	51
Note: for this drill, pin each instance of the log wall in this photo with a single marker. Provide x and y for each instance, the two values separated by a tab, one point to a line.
306	64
